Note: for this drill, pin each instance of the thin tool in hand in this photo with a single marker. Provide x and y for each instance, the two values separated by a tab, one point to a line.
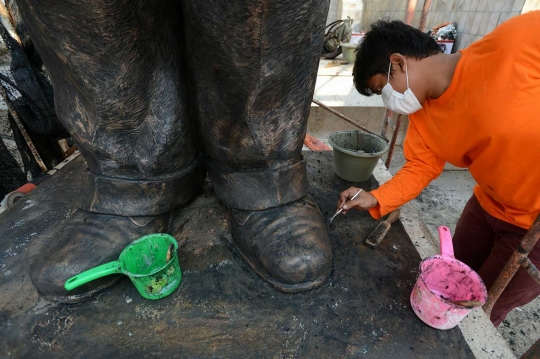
341	209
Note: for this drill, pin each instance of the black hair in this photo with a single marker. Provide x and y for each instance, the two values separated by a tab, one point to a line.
385	38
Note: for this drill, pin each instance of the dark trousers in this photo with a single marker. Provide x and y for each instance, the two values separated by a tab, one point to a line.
486	243
152	90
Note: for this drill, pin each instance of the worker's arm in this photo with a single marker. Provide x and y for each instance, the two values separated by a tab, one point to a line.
421	167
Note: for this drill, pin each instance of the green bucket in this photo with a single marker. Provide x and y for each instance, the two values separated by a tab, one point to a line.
356	154
349	52
144	261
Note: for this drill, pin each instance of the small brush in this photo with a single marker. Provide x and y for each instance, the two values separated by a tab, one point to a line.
381	230
341	209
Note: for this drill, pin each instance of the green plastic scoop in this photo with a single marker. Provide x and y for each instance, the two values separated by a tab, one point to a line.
145	262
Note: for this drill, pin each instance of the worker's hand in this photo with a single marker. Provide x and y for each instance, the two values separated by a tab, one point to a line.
363	201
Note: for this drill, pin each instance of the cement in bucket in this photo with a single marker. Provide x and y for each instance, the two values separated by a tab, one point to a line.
356	154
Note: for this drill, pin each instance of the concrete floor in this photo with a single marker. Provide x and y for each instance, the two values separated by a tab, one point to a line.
441	203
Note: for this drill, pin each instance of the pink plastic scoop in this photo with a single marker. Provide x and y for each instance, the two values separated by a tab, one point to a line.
446	288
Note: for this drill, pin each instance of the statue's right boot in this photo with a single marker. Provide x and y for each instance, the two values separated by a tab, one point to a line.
98	232
123	99
87	240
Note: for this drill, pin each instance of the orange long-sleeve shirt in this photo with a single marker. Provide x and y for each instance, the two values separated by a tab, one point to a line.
488	120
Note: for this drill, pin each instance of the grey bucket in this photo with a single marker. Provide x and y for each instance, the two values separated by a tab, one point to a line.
349	52
356	154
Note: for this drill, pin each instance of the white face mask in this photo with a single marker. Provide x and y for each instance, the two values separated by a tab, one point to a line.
402	103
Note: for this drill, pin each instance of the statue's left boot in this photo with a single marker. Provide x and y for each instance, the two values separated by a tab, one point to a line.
276	227
253	105
287	246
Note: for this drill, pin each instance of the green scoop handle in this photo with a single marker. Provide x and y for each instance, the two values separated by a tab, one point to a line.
92	274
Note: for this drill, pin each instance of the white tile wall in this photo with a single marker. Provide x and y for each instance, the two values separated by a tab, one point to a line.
475	25
498	5
508	5
493	21
482	5
484	21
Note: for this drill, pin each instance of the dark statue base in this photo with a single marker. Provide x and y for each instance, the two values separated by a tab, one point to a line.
222	309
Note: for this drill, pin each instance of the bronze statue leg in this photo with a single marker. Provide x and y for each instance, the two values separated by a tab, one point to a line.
253	65
119	79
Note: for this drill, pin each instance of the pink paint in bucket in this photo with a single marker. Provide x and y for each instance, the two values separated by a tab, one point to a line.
443	280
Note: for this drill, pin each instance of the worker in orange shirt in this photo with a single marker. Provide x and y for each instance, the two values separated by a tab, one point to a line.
478	108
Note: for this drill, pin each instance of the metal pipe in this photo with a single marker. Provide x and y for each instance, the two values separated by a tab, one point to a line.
342	116
423	16
386	121
531	269
411	6
392	144
514	263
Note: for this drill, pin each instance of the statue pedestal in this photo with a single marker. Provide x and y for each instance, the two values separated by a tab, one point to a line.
222	308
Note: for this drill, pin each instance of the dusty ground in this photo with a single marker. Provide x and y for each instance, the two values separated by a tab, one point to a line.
222	309
441	203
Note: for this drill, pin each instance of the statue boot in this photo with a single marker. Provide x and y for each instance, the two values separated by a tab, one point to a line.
107	222
124	100
253	105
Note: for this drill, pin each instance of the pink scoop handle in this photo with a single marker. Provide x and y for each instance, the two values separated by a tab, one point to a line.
445	238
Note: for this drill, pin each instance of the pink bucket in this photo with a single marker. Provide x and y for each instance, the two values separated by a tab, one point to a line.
443	281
